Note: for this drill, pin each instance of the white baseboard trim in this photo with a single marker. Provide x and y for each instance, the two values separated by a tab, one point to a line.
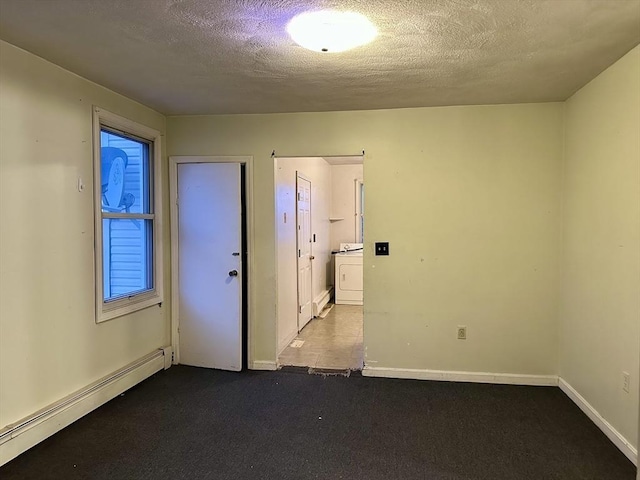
321	301
28	432
264	365
452	376
616	437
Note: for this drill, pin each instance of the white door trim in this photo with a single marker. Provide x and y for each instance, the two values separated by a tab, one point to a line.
174	161
359	184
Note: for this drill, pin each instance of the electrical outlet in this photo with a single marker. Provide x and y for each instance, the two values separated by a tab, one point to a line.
462	332
625	381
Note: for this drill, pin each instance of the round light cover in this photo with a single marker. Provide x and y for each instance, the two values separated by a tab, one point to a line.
331	31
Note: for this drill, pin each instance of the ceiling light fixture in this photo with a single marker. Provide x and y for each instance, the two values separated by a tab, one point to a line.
331	31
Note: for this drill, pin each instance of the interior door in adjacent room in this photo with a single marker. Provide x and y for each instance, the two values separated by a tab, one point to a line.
303	225
210	265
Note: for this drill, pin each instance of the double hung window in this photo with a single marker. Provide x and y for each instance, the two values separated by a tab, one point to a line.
127	221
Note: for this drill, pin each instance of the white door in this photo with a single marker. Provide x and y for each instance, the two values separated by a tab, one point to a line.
210	259
303	208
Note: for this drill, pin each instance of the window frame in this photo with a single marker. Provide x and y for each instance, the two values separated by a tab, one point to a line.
107	310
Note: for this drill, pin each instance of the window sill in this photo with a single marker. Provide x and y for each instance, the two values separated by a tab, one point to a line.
125	306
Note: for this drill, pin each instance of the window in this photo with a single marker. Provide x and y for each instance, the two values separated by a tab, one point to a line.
128	251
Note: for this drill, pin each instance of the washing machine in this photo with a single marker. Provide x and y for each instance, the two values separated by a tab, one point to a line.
348	274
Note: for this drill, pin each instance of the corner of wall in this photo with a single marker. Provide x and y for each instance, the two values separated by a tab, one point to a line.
561	250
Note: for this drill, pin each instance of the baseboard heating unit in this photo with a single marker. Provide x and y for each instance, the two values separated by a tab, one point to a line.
24	434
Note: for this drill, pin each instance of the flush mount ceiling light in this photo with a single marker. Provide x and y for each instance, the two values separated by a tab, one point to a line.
331	31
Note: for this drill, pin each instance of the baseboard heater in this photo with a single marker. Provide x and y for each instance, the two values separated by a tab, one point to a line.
321	301
24	434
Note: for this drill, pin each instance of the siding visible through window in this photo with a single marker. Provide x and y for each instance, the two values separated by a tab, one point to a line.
125	271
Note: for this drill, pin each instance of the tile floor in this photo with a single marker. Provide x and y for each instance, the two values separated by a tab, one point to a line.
331	342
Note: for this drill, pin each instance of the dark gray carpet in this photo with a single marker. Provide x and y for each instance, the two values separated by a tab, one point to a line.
190	423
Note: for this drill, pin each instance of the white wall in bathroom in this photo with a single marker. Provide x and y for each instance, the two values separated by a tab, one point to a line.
343	203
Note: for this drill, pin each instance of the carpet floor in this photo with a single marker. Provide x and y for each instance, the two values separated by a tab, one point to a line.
192	423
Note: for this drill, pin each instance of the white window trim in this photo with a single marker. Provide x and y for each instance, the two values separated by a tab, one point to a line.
123	306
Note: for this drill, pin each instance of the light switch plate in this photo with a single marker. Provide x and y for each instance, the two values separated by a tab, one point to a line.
382	248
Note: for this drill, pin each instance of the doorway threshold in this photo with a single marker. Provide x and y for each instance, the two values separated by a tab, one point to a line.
325	372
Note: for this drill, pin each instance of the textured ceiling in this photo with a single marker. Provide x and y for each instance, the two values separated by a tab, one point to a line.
234	56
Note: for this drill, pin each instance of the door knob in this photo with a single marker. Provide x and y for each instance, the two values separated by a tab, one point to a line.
233	273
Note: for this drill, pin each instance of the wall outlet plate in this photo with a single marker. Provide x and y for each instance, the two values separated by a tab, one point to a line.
462	332
626	380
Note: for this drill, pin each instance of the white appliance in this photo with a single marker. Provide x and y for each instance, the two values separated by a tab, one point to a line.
348	274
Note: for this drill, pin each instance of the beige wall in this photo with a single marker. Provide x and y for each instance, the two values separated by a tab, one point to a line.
600	308
468	198
343	203
50	344
318	172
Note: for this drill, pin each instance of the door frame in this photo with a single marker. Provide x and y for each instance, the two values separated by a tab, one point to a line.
359	183
274	196
174	161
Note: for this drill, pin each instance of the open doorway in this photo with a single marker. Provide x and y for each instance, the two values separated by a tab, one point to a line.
330	336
